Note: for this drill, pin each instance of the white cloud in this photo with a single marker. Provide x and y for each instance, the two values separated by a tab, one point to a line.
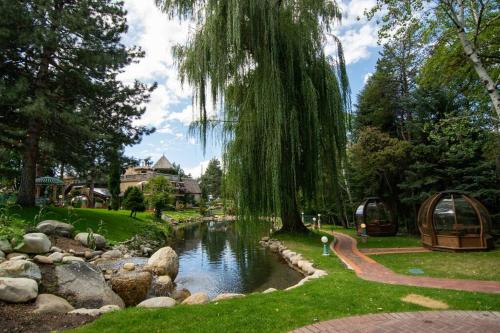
367	77
152	30
197	170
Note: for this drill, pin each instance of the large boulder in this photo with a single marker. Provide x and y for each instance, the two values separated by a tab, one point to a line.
157	302
36	242
17	290
83	238
83	285
132	287
20	269
47	303
5	246
164	262
196	298
163	286
52	227
2	256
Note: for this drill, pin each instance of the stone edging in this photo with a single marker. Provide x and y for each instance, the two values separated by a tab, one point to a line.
295	260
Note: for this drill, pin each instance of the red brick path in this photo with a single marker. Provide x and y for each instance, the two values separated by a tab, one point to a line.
411	322
390	250
368	269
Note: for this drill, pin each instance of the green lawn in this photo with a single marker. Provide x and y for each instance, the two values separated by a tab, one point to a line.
378	242
339	294
471	265
118	225
183	215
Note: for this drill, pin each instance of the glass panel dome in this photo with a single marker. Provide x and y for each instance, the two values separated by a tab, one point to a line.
444	215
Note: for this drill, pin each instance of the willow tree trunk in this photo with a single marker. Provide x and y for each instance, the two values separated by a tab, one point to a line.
477	64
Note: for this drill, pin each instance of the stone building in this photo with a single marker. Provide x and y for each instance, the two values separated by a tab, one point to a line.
138	176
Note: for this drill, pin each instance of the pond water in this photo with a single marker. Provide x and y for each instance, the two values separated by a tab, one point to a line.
225	257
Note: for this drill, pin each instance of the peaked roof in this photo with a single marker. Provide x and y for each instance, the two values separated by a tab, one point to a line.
163	164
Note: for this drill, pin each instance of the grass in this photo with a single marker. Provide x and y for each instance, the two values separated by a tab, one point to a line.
378	242
183	215
471	265
118	225
339	294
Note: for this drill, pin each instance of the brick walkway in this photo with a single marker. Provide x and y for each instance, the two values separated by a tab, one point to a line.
368	269
391	250
411	322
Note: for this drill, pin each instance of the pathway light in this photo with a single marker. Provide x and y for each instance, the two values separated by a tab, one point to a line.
324	240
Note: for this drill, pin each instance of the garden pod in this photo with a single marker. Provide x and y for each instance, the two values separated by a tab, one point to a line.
374	214
454	221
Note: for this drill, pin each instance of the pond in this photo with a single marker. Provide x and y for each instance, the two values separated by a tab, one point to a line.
225	257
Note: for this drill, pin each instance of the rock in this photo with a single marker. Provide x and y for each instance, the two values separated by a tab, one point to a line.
88	255
13	255
56	257
55	249
196	298
224	296
269	290
5	246
127	256
43	260
68	259
274	247
2	255
265	239
109	308
181	294
132	287
129	266
100	241
47	303
36	242
17	290
163	286
164	262
318	273
20	269
157	302
84	286
88	312
52	227
113	254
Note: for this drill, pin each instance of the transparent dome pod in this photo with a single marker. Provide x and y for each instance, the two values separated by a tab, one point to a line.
374	216
454	221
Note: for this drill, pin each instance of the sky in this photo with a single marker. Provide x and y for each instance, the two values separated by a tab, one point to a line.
170	109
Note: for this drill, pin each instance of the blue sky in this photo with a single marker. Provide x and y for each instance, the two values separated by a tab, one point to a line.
170	109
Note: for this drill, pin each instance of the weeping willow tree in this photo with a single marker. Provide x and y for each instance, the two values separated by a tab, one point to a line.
281	100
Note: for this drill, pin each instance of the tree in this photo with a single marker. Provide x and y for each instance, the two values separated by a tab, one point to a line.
467	20
158	192
114	179
133	199
283	116
57	58
211	180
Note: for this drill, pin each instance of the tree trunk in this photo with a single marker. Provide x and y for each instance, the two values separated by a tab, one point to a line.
488	82
26	195
91	192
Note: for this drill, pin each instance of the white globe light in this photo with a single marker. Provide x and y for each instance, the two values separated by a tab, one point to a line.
324	239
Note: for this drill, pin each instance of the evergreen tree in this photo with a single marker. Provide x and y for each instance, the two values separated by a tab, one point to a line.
58	57
211	180
158	192
284	99
133	199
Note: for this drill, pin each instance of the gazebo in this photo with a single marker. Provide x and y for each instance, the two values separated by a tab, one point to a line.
374	214
48	182
454	221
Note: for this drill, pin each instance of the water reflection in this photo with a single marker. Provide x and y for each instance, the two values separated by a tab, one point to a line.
218	257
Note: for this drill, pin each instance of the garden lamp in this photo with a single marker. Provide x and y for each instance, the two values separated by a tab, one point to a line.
314	223
319	221
324	240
